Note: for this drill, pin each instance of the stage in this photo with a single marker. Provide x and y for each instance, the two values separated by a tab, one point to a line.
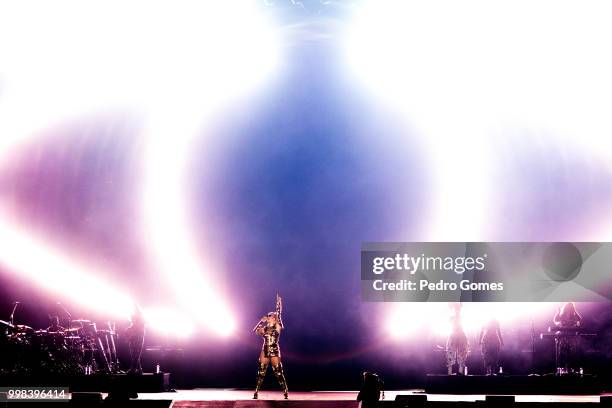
148	382
233	398
548	384
154	390
229	398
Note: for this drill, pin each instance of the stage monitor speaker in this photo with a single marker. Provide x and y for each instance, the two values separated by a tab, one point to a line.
85	399
499	400
410	401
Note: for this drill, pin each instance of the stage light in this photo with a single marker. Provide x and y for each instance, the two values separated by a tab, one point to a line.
408	320
247	57
63	60
166	209
413	320
466	80
472	86
167	321
37	261
172	66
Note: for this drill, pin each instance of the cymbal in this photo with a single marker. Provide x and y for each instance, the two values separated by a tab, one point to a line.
81	321
23	327
7	324
72	337
75	329
111	332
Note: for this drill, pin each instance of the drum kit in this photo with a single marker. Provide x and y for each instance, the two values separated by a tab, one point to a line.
81	348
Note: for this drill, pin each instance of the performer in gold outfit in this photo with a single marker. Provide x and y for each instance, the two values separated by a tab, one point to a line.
270	327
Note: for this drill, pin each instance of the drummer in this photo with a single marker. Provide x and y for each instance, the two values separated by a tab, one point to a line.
54	325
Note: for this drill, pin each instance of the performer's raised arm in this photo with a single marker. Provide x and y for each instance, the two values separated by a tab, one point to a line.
279	311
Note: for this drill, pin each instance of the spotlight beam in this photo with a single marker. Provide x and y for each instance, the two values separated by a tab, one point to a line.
37	261
206	53
167	226
468	81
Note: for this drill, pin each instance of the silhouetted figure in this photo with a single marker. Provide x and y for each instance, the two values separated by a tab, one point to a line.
567	321
491	342
135	335
371	390
55	325
457	343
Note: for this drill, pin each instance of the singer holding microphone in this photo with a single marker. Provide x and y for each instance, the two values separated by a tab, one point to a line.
270	327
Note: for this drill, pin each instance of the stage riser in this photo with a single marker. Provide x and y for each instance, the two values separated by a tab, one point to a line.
515	385
94	383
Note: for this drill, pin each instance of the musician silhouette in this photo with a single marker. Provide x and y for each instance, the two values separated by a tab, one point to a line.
54	325
567	321
491	342
135	335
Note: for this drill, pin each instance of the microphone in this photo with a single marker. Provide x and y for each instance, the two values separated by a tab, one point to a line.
259	324
16	303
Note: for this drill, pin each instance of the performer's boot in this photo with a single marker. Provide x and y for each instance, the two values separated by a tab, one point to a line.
261	373
280	377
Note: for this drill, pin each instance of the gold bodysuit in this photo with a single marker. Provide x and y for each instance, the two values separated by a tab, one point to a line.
271	346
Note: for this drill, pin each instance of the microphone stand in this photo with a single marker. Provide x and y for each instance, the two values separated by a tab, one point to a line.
13	312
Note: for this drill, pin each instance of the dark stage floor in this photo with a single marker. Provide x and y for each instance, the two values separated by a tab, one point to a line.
209	394
231	398
242	398
442	391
